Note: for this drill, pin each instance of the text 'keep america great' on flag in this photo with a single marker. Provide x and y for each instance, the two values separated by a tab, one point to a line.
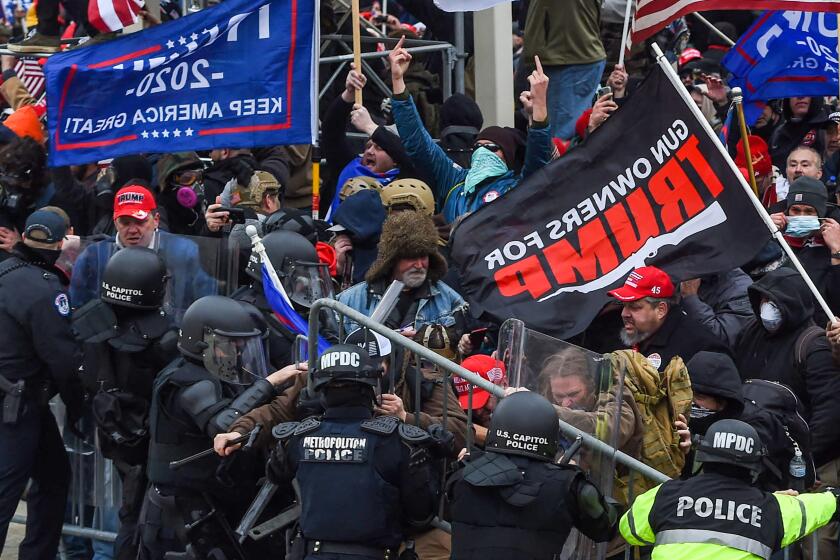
238	74
648	187
785	54
653	15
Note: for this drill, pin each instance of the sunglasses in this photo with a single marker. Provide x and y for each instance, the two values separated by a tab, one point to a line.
490	146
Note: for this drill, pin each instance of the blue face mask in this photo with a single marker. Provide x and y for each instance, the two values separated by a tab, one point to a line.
802	226
484	165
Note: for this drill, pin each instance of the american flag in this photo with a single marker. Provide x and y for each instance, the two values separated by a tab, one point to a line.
113	15
653	15
31	74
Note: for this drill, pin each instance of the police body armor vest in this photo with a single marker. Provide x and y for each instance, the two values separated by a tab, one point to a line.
343	495
716	509
529	514
172	439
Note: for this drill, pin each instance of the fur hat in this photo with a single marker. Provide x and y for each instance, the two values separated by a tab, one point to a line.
406	235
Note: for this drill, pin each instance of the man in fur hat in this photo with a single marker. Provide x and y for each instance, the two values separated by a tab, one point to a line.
407	252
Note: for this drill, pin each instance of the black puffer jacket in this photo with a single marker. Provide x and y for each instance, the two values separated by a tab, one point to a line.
715	374
791	134
760	354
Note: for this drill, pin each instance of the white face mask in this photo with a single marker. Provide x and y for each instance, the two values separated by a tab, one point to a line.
770	316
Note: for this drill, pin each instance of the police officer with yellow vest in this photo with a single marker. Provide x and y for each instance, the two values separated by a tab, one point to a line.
720	513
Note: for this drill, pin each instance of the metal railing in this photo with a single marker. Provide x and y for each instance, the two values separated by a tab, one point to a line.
414	46
450	366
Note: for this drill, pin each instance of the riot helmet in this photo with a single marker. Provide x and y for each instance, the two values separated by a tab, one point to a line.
226	336
524	423
348	363
358	184
292	219
408	194
732	442
295	260
134	277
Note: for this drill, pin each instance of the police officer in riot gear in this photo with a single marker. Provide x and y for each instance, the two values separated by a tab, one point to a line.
362	480
721	513
127	339
221	375
513	501
38	359
292	219
305	280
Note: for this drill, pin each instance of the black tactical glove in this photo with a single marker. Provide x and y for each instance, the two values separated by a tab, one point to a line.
443	441
242	170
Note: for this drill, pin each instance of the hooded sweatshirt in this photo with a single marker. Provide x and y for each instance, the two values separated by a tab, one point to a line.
760	354
808	131
715	374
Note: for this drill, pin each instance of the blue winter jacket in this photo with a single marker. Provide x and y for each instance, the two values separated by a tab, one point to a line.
188	280
449	176
439	309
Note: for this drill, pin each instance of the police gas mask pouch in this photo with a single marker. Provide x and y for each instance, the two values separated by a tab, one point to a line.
95	322
122	420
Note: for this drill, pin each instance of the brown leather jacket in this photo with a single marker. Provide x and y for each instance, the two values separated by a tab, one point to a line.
283	408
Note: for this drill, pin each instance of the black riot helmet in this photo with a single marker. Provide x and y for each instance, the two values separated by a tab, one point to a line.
732	442
226	336
346	362
292	219
295	260
134	277
524	423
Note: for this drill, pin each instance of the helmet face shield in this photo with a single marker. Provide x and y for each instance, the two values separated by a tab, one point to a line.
306	282
235	359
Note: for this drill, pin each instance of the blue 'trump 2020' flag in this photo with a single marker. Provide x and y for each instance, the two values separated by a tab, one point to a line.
786	54
239	74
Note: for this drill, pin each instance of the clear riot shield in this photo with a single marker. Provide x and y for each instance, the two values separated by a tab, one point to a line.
196	266
95	489
587	394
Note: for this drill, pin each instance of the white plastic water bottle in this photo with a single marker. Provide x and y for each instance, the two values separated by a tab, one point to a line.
798	469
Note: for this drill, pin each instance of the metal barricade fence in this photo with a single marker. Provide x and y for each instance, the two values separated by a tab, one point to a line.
414	46
450	368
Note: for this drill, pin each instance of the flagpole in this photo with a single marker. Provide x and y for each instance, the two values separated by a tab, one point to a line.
316	147
627	13
316	181
357	46
762	212
259	248
738	99
714	29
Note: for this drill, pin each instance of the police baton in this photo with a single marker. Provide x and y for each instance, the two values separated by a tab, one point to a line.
247	439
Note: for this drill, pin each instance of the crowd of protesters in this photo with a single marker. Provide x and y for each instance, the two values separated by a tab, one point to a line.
400	171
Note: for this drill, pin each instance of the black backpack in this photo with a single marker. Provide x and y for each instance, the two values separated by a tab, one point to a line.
784	405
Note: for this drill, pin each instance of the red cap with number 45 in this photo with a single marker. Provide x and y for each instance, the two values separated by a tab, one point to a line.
647	281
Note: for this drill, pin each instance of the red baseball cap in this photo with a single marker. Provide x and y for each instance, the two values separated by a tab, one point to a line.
647	281
134	201
489	368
